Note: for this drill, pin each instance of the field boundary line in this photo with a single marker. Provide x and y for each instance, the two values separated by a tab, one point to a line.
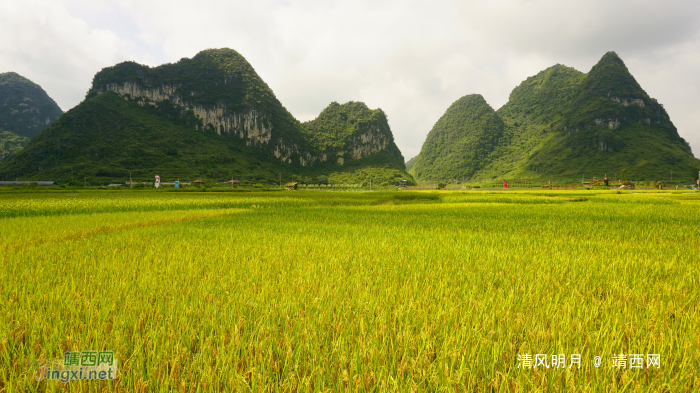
117	228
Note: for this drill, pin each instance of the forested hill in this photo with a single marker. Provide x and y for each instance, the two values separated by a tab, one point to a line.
558	125
352	131
462	141
25	108
210	116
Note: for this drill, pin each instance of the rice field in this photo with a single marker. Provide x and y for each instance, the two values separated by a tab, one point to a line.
353	291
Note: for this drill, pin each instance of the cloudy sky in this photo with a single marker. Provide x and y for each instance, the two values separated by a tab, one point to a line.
410	58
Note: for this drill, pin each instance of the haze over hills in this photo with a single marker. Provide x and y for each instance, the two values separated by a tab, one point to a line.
25	110
208	117
558	125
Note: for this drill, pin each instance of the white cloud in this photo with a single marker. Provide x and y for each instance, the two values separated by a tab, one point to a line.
48	45
411	58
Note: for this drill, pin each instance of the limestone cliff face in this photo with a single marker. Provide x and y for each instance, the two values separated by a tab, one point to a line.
252	126
225	95
255	127
351	132
362	145
368	143
627	102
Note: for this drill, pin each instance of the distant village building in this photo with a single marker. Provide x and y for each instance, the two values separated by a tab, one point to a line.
199	183
234	183
291	186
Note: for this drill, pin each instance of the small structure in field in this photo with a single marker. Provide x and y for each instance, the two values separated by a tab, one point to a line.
291	186
157	185
627	186
199	182
234	183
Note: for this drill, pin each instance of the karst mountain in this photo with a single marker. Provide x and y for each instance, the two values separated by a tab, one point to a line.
561	125
25	110
209	117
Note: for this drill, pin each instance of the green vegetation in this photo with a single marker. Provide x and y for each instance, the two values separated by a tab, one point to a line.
10	143
25	108
322	291
340	125
411	163
382	169
559	125
212	78
462	141
105	138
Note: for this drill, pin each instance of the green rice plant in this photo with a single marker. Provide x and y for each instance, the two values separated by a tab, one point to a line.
324	291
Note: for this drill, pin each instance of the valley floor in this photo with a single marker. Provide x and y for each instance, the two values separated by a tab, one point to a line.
361	291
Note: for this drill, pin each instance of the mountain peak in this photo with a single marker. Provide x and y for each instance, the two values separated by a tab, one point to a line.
340	126
212	105
473	98
611	57
475	104
461	141
13	77
226	59
559	123
25	108
611	78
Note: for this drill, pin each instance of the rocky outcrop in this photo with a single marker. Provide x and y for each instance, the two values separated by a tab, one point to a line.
252	126
352	131
627	102
217	90
368	143
612	124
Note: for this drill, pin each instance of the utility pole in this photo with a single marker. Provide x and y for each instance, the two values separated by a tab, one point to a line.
131	182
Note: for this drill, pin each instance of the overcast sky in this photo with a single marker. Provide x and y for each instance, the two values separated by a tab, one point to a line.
410	58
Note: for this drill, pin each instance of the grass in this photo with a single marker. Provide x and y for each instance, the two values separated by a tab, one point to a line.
375	291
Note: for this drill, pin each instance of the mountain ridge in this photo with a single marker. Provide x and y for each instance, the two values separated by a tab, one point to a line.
217	94
561	123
